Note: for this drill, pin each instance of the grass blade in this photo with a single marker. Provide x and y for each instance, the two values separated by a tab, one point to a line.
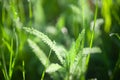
46	40
92	36
23	71
53	68
4	70
38	52
77	46
43	74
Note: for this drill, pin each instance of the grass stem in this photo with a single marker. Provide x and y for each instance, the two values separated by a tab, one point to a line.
23	71
5	73
92	36
43	74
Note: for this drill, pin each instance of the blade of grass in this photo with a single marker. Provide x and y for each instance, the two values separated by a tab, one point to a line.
73	53
92	36
23	71
30	12
43	74
77	47
53	68
10	48
79	57
117	66
11	58
4	70
83	18
115	34
3	12
46	40
38	52
30	9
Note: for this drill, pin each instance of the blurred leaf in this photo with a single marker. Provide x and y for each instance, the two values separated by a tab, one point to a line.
61	22
46	40
76	56
8	46
51	30
6	33
73	60
115	34
106	12
75	9
98	24
53	68
76	47
91	50
38	9
38	52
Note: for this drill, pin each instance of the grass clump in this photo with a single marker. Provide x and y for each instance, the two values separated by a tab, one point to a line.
61	39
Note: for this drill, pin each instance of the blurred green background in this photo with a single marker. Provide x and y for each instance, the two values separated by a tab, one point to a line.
61	21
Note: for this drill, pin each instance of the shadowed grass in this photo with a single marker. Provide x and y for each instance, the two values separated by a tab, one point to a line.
92	36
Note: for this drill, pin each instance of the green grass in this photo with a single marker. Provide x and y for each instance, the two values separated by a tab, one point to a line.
23	71
71	62
59	43
93	33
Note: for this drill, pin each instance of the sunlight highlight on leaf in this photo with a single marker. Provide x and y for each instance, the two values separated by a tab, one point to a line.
92	50
53	68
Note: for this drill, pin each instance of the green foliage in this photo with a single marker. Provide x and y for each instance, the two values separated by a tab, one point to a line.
46	40
65	40
115	35
73	61
76	56
70	56
38	52
107	14
53	68
76	47
23	72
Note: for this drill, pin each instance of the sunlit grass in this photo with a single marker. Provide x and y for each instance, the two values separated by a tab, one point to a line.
62	52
